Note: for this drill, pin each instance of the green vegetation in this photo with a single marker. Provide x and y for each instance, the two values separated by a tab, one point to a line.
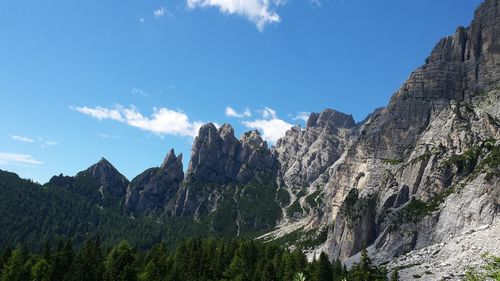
353	207
470	161
192	260
34	214
258	209
304	239
489	271
294	208
314	199
465	162
283	197
366	271
418	209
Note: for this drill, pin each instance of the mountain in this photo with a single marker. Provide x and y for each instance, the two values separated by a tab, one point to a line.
402	183
101	183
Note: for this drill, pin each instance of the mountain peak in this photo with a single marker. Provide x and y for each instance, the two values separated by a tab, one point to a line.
170	159
108	177
330	117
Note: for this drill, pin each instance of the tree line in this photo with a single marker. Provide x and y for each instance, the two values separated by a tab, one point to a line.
208	259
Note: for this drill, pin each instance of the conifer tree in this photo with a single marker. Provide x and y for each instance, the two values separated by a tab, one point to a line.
15	268
119	264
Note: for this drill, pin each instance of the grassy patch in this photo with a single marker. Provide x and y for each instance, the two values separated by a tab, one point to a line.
314	199
304	239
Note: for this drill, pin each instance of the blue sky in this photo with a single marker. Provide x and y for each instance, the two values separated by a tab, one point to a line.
130	79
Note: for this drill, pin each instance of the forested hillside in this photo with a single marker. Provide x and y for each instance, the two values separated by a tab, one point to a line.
191	260
33	214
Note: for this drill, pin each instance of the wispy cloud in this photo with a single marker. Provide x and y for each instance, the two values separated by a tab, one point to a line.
259	12
230	112
304	116
141	20
101	113
22	139
270	125
106	136
316	3
268	113
161	12
162	122
140	92
43	142
7	158
46	143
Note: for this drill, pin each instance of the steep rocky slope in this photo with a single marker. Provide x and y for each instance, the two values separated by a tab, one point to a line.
419	171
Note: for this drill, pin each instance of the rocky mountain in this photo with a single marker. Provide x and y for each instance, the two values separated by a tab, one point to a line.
101	182
420	171
153	190
414	175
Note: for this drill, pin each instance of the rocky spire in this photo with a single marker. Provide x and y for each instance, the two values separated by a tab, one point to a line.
111	180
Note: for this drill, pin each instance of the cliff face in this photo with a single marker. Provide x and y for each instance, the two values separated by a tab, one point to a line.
419	164
152	191
417	172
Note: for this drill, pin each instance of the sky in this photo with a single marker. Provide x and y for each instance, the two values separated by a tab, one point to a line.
128	80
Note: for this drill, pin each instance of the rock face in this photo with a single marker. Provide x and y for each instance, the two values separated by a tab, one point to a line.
427	144
109	178
305	154
415	172
152	191
218	161
218	157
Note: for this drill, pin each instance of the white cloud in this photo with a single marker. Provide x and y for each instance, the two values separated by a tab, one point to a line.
161	12
163	121
101	112
106	136
21	138
268	113
142	20
271	130
304	116
7	158
270	125
230	112
43	143
259	12
138	91
49	143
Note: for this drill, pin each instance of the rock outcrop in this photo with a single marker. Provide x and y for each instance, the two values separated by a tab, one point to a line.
220	161
152	191
111	181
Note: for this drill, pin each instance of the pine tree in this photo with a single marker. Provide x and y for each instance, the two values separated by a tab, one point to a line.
322	270
15	269
41	270
61	261
156	268
119	264
365	271
88	264
395	275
